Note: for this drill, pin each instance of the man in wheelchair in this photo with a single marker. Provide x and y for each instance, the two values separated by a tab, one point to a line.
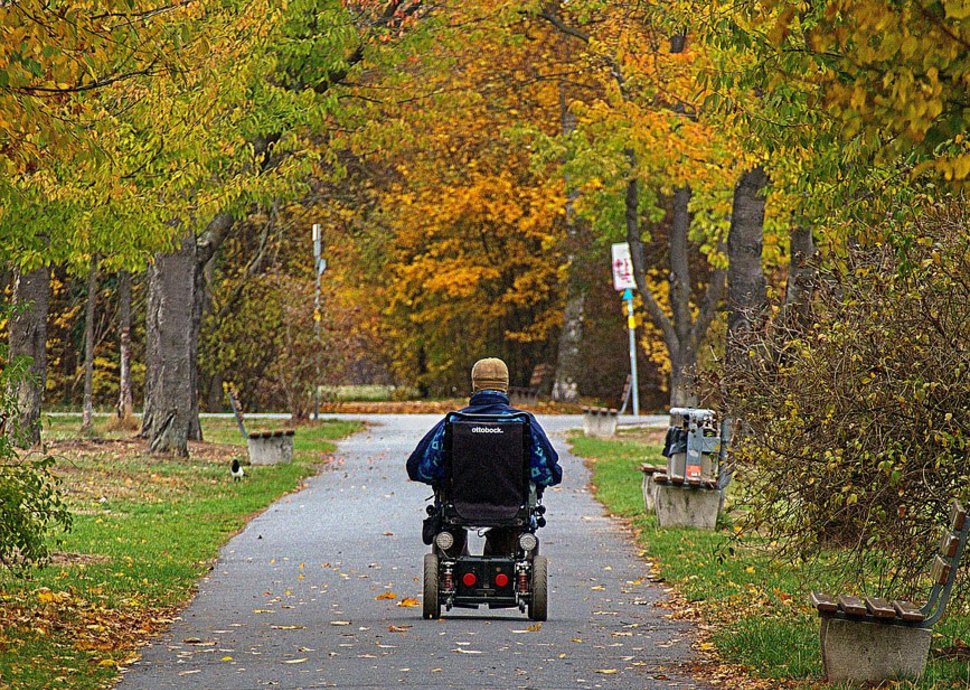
489	464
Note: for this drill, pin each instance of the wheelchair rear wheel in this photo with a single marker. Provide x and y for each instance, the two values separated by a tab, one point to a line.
432	605
538	607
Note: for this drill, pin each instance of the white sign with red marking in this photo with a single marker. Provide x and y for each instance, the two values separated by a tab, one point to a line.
622	267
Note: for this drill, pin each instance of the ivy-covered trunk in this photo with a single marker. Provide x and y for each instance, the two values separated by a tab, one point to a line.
169	394
28	337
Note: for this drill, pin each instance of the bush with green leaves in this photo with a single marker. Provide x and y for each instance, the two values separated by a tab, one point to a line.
855	418
31	505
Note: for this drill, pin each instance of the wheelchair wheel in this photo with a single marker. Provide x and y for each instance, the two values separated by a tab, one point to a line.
432	606
540	589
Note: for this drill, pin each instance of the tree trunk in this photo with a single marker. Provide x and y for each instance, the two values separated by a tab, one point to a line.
747	296
124	318
565	388
168	383
683	377
88	404
801	272
28	338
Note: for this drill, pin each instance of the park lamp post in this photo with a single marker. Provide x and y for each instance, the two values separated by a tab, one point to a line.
319	266
624	281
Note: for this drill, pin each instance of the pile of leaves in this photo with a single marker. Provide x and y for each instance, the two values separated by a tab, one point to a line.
856	418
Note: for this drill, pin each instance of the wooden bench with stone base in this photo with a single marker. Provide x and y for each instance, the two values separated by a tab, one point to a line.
600	421
870	640
529	395
271	447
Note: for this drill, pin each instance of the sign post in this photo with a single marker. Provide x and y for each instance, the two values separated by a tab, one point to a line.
623	280
319	266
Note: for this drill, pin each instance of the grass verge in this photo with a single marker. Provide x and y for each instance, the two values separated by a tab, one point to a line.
145	530
756	610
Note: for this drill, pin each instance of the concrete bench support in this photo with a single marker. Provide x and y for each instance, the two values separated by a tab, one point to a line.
271	447
683	506
649	487
862	652
599	422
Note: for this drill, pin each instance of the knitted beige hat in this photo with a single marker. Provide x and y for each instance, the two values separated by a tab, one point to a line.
490	374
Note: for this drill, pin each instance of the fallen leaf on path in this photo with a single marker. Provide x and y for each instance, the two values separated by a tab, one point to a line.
409	602
226	658
607	671
535	627
461	650
386	595
295	661
288	627
398	628
339	622
263	611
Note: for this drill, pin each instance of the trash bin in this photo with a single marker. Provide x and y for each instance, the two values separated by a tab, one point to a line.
691	443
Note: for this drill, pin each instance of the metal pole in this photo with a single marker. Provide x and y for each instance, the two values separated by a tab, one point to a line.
632	325
316	317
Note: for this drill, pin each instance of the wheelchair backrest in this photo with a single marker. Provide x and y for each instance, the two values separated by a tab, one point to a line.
487	467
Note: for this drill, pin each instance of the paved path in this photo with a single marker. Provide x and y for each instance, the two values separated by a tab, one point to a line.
292	601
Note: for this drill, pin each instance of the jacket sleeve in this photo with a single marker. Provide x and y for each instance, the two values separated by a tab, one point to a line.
544	463
426	463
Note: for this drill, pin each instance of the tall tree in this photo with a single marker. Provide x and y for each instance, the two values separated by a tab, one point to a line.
747	289
89	311
125	404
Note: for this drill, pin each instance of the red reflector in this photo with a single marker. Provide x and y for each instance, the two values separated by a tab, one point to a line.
501	580
469	579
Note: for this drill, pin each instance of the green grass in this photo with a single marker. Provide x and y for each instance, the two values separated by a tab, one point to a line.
145	530
757	607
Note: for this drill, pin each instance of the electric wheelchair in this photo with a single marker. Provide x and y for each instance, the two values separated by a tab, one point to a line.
486	485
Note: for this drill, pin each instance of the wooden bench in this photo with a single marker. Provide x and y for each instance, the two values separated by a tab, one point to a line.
529	395
600	421
871	639
270	447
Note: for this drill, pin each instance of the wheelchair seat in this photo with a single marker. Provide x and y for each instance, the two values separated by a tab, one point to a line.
486	470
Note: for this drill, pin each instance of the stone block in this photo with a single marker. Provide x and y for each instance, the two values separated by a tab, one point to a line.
270	447
864	652
684	506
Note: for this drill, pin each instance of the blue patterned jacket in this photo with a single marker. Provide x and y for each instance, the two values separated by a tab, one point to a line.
426	463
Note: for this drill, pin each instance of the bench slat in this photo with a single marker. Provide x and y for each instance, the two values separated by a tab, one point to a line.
880	608
908	611
650	469
958	517
853	606
661	478
824	603
941	571
948	548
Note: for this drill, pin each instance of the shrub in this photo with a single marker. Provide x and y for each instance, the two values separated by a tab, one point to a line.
31	506
856	418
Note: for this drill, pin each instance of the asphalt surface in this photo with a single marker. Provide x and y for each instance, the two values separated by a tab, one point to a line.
293	600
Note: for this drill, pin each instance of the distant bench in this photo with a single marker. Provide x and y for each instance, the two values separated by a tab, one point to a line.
271	447
602	421
871	639
529	395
